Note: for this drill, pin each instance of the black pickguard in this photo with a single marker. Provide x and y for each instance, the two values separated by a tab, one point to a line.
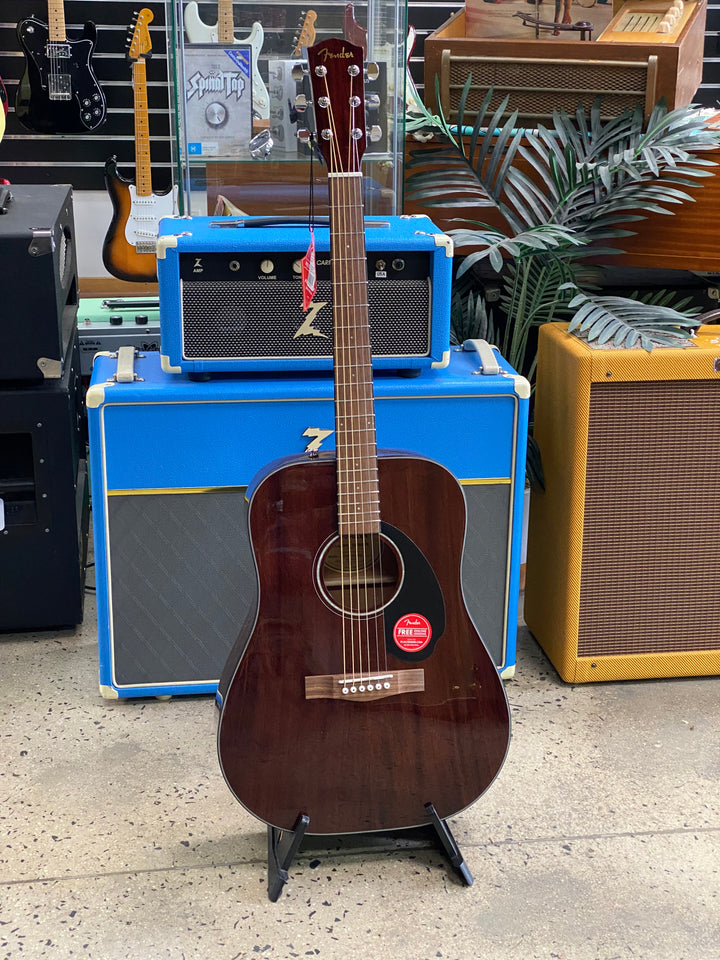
38	106
420	593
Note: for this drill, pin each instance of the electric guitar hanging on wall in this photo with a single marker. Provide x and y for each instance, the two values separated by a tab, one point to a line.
223	32
361	694
58	92
129	250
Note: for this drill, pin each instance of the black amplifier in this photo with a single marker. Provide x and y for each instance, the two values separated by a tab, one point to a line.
231	295
40	289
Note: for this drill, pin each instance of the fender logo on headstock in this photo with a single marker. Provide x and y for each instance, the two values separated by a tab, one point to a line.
340	55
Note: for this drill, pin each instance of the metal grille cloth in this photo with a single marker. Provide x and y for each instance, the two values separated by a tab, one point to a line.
227	319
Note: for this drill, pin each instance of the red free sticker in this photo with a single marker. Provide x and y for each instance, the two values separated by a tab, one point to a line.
412	632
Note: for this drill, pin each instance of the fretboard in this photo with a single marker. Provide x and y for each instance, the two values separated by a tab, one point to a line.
226	30
143	170
57	32
355	439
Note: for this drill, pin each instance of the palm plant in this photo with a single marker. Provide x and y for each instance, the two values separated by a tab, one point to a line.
566	193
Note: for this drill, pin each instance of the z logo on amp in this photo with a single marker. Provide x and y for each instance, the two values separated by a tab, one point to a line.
307	328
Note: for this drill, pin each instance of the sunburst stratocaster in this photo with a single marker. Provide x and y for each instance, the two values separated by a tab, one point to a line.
361	692
129	251
58	92
224	32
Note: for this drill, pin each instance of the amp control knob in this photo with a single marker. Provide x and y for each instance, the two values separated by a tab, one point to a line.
267	266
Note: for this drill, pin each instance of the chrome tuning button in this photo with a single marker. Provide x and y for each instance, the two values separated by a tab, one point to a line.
304	136
374	133
372	101
301	103
299	70
372	71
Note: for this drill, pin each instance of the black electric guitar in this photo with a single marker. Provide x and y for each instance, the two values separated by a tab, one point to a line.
58	92
361	693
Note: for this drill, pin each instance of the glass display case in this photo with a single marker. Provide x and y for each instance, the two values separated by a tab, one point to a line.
240	93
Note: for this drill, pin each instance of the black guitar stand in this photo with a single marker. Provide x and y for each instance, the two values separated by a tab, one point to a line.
282	847
284	844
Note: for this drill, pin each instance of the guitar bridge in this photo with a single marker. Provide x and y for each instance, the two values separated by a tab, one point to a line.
340	686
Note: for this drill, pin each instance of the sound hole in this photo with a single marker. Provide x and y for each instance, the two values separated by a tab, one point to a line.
359	573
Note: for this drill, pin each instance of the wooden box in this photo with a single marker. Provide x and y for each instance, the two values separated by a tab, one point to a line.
554	72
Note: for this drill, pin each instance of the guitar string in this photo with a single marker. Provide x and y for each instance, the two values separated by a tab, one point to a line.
361	536
365	537
341	452
370	538
354	542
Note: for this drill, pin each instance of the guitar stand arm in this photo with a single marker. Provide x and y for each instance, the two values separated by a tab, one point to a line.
282	847
449	845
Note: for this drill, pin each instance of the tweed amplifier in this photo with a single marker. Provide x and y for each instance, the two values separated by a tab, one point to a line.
231	295
622	542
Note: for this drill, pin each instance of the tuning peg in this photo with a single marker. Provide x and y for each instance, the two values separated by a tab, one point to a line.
304	136
374	133
301	103
372	101
372	71
299	70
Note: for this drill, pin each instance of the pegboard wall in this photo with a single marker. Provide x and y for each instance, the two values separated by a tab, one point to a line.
79	159
27	157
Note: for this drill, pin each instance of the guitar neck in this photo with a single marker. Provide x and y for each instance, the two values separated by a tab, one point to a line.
355	438
226	28
57	31
143	175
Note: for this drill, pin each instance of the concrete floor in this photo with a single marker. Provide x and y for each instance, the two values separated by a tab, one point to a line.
599	840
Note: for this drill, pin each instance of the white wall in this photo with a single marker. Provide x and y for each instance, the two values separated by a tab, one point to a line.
92	211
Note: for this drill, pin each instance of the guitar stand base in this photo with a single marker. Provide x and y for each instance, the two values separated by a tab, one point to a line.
284	844
449	845
282	847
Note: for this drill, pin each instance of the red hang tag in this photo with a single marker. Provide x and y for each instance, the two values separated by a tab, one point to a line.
309	274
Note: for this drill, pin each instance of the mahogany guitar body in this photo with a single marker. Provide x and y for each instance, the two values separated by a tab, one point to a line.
356	765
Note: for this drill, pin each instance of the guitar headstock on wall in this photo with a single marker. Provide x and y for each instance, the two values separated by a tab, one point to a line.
138	41
337	79
306	33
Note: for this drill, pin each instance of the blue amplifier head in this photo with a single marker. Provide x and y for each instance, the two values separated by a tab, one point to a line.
231	295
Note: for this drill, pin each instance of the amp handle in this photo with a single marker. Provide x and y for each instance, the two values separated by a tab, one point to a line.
488	361
125	365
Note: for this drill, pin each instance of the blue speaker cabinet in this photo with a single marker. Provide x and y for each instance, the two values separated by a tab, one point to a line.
170	462
231	295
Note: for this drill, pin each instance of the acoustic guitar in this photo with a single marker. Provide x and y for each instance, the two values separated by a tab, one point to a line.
58	92
224	32
130	247
361	690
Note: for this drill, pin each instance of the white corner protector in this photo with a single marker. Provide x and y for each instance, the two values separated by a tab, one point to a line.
167	367
508	673
108	693
95	396
441	364
167	240
522	387
443	240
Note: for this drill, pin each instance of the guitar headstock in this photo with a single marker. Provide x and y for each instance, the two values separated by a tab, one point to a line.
337	79
138	40
306	33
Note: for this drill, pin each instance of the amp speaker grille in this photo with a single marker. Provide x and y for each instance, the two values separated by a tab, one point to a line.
652	519
229	320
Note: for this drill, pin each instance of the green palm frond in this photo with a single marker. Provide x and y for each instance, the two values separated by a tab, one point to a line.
627	323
